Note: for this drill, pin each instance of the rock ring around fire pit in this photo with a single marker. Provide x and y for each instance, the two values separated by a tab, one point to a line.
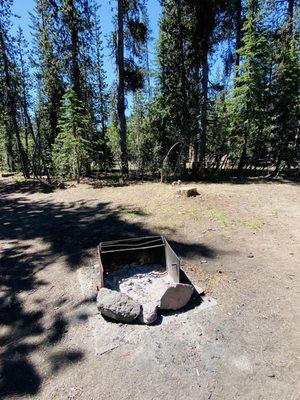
120	307
117	305
138	277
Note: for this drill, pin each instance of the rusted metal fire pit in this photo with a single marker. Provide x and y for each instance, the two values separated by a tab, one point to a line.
139	276
149	250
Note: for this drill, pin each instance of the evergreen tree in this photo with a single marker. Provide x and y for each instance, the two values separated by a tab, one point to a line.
186	31
70	28
101	154
48	62
100	87
178	93
70	150
139	136
238	9
131	35
75	41
205	17
32	146
9	97
75	24
285	112
251	93
245	118
218	132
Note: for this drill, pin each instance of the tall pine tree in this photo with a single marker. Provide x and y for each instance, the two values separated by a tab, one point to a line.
131	36
70	150
251	92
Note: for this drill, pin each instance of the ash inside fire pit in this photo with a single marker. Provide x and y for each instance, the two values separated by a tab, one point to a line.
143	283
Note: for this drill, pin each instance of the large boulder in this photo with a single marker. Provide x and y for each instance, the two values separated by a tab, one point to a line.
176	296
117	305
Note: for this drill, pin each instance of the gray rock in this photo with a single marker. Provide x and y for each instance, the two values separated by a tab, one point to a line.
117	306
176	296
148	313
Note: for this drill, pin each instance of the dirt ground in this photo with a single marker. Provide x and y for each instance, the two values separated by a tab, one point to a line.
240	242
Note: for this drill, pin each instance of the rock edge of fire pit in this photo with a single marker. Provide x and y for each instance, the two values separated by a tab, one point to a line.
176	296
117	305
120	307
148	313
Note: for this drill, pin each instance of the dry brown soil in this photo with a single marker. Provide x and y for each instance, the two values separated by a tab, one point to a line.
238	241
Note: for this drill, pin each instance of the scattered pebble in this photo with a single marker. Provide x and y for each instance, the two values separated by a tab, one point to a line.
271	375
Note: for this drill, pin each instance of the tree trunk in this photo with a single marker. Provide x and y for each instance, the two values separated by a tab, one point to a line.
291	16
36	142
165	162
121	89
23	101
203	113
243	156
9	147
148	77
9	150
183	91
78	168
55	91
238	35
75	72
195	139
22	154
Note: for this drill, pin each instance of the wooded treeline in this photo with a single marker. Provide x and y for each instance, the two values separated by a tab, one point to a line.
224	93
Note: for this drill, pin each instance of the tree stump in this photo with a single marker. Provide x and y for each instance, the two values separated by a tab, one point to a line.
187	192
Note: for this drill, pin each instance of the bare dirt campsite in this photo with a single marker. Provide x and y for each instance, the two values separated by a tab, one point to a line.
149	200
239	340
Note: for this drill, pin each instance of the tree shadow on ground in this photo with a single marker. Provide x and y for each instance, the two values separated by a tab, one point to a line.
29	186
74	229
22	330
250	177
71	230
